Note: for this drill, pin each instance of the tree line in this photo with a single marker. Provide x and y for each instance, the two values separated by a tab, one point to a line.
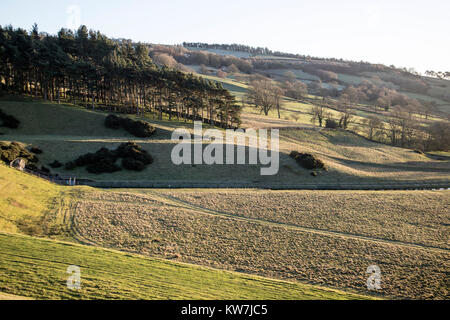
85	67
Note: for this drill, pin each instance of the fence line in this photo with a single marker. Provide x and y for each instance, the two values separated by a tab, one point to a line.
70	181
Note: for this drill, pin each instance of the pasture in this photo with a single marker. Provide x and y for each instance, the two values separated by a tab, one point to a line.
325	239
33	267
36	268
350	158
319	238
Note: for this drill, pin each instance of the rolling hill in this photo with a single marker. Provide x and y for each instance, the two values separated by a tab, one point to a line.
29	205
65	132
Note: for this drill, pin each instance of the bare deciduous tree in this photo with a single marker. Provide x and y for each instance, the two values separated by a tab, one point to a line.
265	95
374	126
318	112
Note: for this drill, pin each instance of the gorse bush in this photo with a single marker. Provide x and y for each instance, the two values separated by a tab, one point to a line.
113	122
138	128
36	150
134	157
307	161
13	151
103	166
331	124
133	164
134	151
8	121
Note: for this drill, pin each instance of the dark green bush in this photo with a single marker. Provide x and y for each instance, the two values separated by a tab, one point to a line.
13	151
134	157
137	128
134	151
294	154
133	164
36	150
113	122
101	155
307	161
103	166
331	124
8	121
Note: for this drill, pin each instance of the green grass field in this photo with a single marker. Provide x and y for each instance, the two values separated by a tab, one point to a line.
350	158
37	268
28	204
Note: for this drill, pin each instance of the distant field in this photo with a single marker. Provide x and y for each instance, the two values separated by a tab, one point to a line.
298	73
349	158
385	214
238	54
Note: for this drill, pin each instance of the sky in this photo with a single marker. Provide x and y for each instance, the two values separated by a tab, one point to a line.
396	32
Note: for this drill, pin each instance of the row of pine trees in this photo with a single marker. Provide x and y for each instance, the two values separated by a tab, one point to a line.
85	67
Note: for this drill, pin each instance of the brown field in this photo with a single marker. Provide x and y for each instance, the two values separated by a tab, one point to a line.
378	214
289	238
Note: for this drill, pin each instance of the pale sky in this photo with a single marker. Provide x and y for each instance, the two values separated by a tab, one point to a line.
405	33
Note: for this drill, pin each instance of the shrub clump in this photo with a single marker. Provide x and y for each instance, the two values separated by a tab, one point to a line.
36	150
113	122
134	157
331	124
134	151
138	128
13	151
8	121
307	161
133	164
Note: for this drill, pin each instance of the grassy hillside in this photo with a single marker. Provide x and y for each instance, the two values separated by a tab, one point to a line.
37	268
27	204
350	158
32	267
435	89
322	238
